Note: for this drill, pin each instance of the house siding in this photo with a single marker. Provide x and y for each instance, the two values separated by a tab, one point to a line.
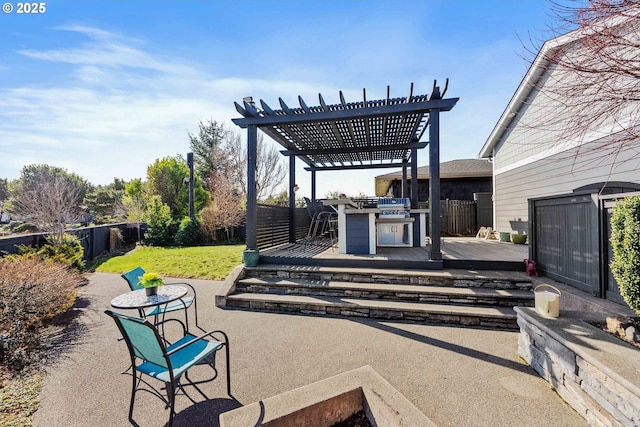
558	174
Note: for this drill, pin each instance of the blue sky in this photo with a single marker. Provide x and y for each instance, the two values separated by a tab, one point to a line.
103	88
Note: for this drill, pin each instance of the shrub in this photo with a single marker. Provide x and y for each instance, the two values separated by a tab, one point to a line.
24	227
32	291
160	225
65	249
189	233
625	243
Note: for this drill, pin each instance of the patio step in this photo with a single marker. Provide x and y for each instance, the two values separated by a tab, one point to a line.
488	317
385	291
460	297
454	278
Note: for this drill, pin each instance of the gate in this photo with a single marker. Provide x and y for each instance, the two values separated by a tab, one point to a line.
564	233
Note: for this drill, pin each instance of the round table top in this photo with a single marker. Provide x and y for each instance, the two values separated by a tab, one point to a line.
139	298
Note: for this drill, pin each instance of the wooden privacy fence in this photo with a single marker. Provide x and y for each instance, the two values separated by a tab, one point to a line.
95	240
272	226
458	217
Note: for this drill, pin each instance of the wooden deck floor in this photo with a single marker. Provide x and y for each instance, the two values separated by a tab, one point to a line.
454	248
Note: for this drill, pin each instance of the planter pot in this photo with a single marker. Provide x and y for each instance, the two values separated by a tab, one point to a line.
151	291
251	257
519	239
504	236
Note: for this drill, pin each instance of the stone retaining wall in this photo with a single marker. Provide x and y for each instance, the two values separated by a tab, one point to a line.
597	374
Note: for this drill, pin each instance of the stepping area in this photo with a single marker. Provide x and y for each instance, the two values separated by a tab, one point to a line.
452	297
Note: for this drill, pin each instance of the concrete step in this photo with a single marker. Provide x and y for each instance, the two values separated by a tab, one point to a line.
387	291
489	317
458	278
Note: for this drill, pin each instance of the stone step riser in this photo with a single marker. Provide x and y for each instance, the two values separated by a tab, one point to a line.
508	323
466	282
291	289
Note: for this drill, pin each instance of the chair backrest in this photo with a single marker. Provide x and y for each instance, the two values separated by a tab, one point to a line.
132	278
142	339
311	210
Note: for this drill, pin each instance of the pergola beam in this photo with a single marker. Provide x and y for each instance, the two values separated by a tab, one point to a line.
368	149
351	114
354	167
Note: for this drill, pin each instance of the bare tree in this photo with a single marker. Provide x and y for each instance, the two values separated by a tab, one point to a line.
219	150
225	209
591	86
49	198
270	171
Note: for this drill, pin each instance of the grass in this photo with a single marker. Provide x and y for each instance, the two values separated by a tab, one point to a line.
19	398
198	262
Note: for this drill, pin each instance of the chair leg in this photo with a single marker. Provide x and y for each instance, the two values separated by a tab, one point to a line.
171	394
195	309
228	369
134	376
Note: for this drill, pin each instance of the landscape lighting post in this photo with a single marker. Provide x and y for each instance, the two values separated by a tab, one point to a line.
191	196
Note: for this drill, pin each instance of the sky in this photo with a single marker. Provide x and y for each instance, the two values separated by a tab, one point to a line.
104	88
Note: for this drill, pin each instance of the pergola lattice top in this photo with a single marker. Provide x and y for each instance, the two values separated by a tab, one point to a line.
357	135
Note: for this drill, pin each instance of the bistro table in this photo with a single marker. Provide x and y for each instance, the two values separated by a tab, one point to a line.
139	299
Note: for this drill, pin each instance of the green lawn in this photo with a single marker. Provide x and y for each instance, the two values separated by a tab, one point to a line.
199	262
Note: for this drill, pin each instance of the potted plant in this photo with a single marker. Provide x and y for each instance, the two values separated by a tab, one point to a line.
150	281
251	257
518	239
504	236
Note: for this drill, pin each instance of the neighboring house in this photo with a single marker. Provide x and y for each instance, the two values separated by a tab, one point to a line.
459	180
531	160
465	193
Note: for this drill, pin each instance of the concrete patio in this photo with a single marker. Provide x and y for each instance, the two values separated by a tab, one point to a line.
455	376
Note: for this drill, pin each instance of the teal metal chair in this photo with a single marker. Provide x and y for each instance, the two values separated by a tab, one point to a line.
153	357
182	304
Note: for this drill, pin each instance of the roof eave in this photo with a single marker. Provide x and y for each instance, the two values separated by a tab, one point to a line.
527	85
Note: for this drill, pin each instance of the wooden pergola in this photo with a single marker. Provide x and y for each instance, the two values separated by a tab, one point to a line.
367	134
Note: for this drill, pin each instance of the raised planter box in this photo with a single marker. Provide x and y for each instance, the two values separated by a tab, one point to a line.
596	373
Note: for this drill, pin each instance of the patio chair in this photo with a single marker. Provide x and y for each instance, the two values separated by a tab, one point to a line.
321	216
153	357
182	304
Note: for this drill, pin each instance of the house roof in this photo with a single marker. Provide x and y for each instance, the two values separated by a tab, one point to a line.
356	135
461	168
534	75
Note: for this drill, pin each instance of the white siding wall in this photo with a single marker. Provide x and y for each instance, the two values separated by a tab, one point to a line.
558	174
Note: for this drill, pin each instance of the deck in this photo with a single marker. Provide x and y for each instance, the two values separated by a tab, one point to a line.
457	252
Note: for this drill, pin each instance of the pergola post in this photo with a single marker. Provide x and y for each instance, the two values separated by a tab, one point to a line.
414	178
313	185
435	226
252	196
405	193
292	199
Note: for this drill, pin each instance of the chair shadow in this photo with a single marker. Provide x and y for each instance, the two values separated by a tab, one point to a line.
205	413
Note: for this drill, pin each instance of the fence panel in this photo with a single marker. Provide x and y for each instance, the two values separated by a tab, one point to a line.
610	286
565	240
458	217
94	240
272	227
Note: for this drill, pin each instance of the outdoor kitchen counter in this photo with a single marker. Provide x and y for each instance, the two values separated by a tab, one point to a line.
358	228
